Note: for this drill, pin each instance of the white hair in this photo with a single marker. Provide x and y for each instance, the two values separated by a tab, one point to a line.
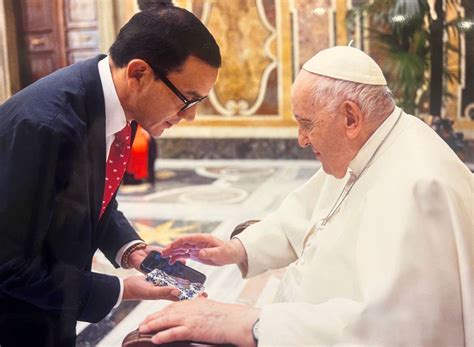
374	101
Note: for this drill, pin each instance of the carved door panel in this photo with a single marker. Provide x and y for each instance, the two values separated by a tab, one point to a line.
53	34
82	40
39	39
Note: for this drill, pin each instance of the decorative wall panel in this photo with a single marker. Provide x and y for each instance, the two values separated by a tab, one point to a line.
254	84
313	28
247	40
460	108
466	110
264	43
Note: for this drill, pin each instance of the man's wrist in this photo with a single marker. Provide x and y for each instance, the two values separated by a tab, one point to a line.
125	261
121	251
239	251
255	331
253	316
120	297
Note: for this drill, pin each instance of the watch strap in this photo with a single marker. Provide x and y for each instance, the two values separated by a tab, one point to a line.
255	332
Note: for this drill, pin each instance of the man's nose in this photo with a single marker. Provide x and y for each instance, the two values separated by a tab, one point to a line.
188	114
303	140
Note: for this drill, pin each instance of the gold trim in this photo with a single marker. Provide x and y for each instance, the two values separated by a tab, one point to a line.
284	53
253	122
452	61
341	30
283	25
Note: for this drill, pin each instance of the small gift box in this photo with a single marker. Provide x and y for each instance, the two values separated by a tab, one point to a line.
189	290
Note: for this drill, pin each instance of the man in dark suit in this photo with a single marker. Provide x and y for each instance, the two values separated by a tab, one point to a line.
64	143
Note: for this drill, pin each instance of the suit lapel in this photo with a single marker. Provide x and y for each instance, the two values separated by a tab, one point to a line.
95	108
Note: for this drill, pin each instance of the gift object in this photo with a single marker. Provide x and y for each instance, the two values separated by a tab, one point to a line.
188	290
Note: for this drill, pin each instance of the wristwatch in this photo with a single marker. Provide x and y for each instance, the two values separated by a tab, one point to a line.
255	330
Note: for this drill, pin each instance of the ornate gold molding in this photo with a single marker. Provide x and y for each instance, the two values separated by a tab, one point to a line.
455	62
255	52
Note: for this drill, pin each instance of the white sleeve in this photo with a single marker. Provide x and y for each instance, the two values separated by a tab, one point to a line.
277	240
120	297
414	289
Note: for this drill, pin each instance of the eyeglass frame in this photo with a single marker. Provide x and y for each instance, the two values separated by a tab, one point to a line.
187	103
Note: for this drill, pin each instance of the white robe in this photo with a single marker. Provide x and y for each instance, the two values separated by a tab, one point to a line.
393	267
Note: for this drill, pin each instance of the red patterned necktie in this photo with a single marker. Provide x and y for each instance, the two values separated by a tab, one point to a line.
116	165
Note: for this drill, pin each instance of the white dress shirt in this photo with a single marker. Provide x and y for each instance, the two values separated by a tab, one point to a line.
115	121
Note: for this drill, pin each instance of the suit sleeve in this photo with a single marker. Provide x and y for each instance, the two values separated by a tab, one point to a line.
117	233
410	275
31	157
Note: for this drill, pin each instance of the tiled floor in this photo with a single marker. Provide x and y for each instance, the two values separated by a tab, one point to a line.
199	196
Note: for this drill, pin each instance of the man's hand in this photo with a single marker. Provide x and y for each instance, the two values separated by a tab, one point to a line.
137	288
206	249
202	320
136	258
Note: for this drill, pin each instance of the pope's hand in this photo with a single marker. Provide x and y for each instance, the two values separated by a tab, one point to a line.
206	249
202	320
137	288
136	258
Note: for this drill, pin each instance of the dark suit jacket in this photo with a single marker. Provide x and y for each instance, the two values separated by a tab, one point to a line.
52	167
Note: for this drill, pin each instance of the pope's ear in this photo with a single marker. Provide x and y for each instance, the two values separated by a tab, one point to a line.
354	118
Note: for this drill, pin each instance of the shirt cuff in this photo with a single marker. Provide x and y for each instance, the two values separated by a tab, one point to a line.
120	297
121	251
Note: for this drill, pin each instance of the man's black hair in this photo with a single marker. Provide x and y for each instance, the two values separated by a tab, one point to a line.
147	4
164	38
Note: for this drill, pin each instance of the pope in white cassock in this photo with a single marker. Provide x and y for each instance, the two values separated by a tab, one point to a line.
378	245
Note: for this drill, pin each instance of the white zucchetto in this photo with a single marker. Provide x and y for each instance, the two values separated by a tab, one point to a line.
347	64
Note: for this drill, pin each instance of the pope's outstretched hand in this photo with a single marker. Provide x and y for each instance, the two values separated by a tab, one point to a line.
206	249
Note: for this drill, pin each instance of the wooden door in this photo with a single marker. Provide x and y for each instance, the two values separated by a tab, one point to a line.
40	39
53	34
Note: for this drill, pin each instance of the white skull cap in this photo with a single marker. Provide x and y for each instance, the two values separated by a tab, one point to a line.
347	64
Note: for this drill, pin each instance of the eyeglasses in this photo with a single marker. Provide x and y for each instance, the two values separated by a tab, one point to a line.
187	103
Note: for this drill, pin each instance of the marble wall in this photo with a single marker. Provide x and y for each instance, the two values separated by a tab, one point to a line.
254	84
263	43
465	89
232	148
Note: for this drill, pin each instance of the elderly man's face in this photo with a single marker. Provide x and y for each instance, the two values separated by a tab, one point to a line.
324	132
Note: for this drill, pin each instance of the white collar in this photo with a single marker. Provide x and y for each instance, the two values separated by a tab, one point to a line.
368	149
115	119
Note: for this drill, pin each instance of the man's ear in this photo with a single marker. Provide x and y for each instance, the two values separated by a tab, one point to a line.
354	119
139	74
